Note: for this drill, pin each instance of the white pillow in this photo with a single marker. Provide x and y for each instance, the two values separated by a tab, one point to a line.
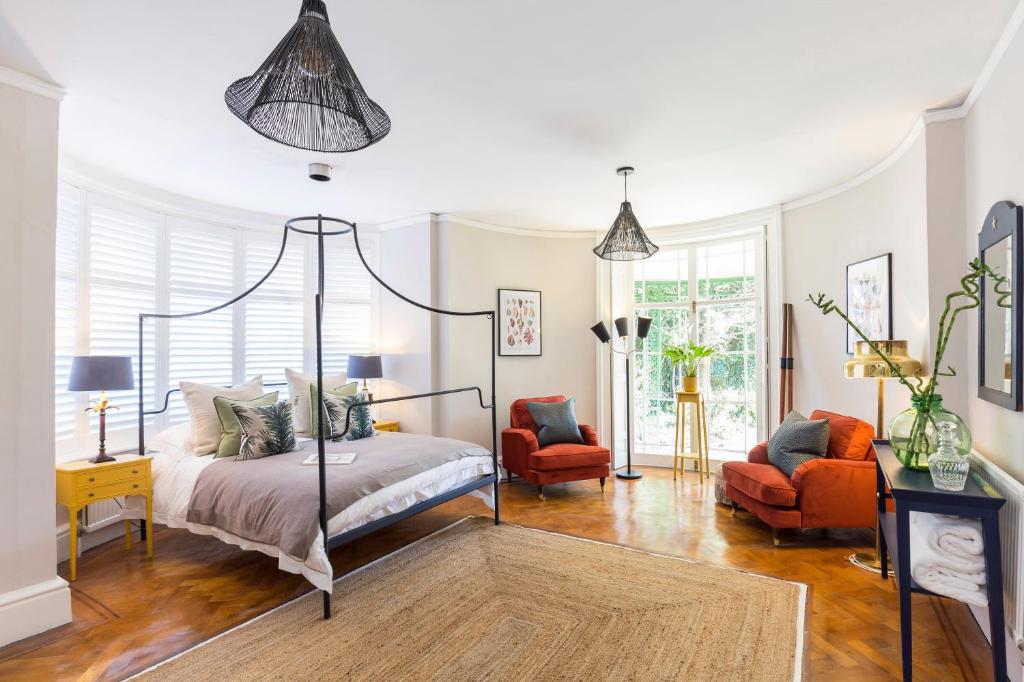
298	390
174	441
205	423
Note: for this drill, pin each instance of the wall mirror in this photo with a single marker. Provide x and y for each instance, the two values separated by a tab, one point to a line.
999	334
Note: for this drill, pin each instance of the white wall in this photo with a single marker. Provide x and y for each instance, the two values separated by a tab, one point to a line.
408	334
994	170
473	264
886	214
32	597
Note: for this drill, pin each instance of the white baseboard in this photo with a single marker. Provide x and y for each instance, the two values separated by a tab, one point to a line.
33	609
88	540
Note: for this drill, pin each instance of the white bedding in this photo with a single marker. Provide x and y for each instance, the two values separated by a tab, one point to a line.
175	475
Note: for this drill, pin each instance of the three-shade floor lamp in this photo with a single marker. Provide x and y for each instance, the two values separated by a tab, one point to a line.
643	327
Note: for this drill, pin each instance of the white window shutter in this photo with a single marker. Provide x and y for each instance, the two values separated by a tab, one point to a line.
123	283
348	298
200	276
274	312
67	405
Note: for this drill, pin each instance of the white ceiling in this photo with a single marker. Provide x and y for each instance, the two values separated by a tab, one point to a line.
517	112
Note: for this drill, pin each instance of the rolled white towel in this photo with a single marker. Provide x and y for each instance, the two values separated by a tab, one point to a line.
941	580
941	533
940	572
958	537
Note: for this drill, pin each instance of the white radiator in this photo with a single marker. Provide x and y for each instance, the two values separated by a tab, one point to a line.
1011	528
100	514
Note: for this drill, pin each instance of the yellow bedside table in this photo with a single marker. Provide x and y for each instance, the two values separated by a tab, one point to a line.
386	425
82	483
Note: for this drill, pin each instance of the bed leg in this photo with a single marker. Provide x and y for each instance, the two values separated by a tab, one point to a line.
497	517
327	605
142	530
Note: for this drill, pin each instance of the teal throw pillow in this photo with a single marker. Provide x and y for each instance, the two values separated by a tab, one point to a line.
556	422
798	440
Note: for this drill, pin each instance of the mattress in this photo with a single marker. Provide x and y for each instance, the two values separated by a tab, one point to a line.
175	476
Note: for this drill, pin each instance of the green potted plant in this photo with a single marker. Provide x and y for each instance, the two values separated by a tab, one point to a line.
914	433
687	357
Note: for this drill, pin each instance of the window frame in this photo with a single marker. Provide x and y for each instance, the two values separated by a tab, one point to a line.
693	304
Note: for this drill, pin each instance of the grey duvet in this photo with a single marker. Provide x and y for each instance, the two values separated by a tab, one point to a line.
275	500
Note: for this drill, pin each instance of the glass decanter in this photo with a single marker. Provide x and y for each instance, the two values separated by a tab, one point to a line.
947	466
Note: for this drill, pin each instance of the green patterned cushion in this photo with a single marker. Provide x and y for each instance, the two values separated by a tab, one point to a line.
230	429
797	441
266	430
360	425
340	392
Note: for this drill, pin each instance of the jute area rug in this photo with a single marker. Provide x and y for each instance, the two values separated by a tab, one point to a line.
476	601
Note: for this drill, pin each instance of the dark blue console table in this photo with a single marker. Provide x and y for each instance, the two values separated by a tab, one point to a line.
913	491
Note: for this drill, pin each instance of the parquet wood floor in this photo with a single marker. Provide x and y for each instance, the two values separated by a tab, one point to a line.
130	612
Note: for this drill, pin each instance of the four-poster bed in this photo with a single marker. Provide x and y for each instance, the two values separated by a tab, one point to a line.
460	461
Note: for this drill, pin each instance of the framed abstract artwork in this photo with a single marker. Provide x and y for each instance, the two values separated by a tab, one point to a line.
519	322
869	299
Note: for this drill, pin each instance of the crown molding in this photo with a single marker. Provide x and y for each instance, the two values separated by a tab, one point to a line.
36	86
405	222
518	231
927	117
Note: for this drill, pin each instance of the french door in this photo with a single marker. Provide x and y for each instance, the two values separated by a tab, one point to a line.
711	293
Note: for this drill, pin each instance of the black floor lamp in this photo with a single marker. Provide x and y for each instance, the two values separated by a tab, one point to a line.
643	327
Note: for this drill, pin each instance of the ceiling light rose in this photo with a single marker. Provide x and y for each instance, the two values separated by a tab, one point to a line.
626	239
306	94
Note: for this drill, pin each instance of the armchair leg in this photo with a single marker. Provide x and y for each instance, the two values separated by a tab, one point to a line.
540	492
734	509
602	483
508	475
776	541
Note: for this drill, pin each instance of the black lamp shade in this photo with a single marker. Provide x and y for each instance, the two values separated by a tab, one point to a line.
601	332
622	327
626	239
364	367
643	326
101	373
306	93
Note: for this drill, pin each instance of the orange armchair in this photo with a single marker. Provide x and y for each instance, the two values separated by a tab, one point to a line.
556	463
835	491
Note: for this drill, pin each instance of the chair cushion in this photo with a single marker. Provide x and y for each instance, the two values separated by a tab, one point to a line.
848	437
763	482
556	422
568	456
519	413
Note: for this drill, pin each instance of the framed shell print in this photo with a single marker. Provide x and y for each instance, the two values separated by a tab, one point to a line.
519	322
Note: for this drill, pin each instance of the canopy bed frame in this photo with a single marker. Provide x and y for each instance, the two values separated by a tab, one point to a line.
320	233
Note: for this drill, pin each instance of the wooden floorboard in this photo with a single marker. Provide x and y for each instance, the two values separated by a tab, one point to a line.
130	612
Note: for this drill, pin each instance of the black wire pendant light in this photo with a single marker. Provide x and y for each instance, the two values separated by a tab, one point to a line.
626	239
306	94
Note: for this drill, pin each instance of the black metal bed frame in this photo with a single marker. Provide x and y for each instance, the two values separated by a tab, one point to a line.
348	536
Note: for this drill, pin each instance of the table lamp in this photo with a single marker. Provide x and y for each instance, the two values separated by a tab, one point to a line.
867	364
364	367
90	373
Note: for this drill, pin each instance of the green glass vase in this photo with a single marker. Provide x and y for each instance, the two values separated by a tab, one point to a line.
914	433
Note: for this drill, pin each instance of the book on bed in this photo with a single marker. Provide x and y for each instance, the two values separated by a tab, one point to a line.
331	458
